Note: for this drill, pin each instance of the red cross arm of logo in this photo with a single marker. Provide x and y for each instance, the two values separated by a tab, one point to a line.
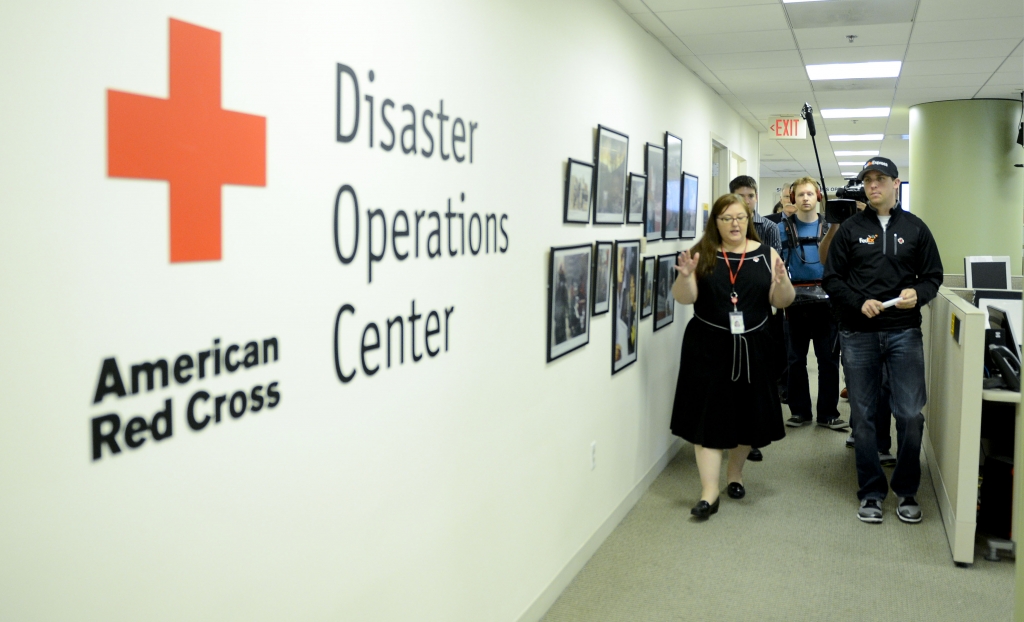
188	140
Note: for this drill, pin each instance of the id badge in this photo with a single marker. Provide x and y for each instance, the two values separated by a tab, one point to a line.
736	322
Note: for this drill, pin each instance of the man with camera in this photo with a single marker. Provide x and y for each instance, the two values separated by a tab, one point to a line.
882	265
810	318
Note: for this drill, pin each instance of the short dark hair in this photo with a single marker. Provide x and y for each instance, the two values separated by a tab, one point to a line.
743	181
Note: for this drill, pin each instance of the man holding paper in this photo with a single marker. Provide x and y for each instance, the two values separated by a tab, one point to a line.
882	266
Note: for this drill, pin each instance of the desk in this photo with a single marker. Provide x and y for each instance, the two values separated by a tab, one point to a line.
1013	397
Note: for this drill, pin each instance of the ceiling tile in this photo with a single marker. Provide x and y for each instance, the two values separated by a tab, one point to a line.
847	126
996	91
855	99
675	46
950	66
725	20
949	80
899	120
753	60
779	86
761	76
960	49
763	41
632	6
1014	64
932	10
850	13
911	97
883	34
1006	78
967	30
652	24
683	5
853	54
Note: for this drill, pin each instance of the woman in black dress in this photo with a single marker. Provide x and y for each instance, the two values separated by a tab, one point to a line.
726	396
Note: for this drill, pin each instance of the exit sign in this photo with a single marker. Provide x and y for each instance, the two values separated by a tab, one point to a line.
788	128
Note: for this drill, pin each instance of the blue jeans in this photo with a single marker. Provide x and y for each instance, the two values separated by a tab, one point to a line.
812	323
864	355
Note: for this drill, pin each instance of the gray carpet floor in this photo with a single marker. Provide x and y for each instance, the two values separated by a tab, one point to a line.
792	550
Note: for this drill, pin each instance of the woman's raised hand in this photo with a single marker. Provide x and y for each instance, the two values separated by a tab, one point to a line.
779	272
685	265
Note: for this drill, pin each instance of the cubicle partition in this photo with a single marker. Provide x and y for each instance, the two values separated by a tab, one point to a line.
954	341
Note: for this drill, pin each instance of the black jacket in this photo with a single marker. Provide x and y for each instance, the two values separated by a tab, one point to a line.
866	263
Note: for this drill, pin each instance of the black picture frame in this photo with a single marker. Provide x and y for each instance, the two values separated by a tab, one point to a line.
654	198
673	186
579	191
602	282
689	217
635	202
569	289
647	269
611	161
664	302
625	304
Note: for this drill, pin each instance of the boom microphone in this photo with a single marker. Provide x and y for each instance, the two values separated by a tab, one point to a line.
808	115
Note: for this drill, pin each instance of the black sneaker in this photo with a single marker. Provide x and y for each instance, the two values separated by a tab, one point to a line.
796	422
755	455
908	510
849	442
834	424
870	511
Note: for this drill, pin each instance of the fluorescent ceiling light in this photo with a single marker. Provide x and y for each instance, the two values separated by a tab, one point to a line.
856	153
906	137
841	138
849	174
851	164
854	113
849	71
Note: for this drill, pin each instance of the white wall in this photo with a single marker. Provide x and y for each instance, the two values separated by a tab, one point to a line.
455	488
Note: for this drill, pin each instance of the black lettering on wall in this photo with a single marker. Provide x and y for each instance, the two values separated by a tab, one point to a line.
447	313
365	347
503	234
182	365
190	414
413	316
342	376
375	256
401	338
458	136
399	233
491	219
423	122
409	128
430	332
441	118
434	236
384	117
479	233
267	345
150	370
346	189
256	399
341	136
135	427
101	438
273	396
109	381
232	366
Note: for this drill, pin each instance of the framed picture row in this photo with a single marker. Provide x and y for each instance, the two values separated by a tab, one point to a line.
662	198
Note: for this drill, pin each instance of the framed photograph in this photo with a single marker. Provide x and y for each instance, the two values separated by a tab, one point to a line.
637	190
673	185
568	299
610	181
602	277
625	303
647	286
579	185
689	207
664	303
654	199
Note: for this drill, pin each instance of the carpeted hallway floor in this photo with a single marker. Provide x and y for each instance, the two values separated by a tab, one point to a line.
792	550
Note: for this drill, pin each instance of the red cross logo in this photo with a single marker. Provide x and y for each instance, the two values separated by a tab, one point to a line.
188	140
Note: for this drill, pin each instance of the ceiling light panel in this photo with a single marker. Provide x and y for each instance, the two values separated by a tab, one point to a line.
846	138
852	163
847	14
866	154
855	71
854	113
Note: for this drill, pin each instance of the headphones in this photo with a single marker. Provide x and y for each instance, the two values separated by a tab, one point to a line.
792	192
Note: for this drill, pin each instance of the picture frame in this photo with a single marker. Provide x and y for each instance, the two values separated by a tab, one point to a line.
602	282
647	286
579	191
637	190
664	302
611	159
673	186
689	217
654	198
569	290
625	304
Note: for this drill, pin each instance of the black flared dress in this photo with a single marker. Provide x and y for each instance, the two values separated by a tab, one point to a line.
727	392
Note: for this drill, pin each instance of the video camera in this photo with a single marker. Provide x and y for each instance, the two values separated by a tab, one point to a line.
838	210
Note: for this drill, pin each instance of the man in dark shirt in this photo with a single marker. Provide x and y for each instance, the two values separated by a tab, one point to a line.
882	265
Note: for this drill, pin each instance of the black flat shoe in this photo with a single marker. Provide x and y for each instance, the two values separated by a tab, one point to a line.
755	455
703	509
735	490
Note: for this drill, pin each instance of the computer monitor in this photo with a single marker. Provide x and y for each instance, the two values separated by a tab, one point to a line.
999	320
905	195
987	272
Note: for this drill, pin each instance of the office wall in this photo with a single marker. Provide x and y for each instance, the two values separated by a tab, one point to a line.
453	486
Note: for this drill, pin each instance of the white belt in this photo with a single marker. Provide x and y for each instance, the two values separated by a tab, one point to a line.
739	346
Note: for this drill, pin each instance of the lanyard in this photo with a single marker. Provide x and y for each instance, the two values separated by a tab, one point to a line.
732	277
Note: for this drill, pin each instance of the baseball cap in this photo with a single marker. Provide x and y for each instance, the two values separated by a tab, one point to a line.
882	165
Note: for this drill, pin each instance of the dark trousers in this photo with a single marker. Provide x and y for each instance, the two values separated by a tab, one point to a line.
864	356
812	323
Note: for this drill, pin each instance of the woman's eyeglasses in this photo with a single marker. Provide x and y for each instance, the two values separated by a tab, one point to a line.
728	219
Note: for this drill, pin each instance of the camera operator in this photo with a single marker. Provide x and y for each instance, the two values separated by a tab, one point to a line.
810	318
883	254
